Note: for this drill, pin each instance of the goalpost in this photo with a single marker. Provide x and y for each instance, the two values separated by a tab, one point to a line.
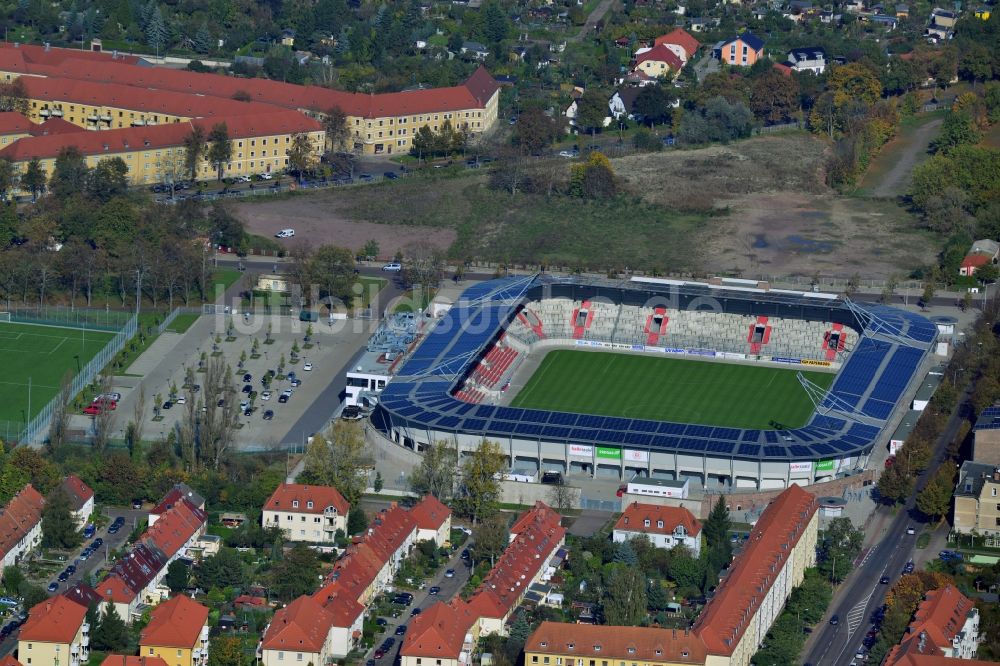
5	317
213	308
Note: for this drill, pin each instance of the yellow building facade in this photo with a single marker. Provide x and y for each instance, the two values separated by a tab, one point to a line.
177	633
55	634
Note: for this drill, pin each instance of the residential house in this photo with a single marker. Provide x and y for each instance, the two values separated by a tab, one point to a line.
447	633
56	632
741	51
664	526
178	492
475	50
130	660
977	499
659	63
288	37
781	546
902	11
986	437
433	520
177	633
83	594
854	6
680	41
347	616
81	499
311	514
807	59
13	126
136	579
297	634
982	13
887	22
944	630
622	102
562	643
981	253
943	18
21	525
698	24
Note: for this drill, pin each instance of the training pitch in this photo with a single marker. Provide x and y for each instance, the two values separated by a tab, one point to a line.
45	354
733	395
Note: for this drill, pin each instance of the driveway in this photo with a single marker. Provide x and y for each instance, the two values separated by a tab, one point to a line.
591	23
423	600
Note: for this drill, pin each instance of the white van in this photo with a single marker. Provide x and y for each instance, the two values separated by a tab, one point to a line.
285	233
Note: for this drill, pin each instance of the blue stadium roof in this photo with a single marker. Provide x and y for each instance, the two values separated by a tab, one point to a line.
868	387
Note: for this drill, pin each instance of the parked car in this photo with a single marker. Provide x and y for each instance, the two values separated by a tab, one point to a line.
352	413
910	529
268	414
450	573
400	630
265	176
392	267
434	591
569	154
180	400
168	404
89	530
266	395
379	653
884	580
53	586
391	175
285	233
307	366
247	378
366	178
247	388
835	620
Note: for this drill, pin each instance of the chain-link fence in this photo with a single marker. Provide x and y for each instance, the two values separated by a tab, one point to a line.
37	427
59	315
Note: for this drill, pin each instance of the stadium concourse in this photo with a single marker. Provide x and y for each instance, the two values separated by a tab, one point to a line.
455	385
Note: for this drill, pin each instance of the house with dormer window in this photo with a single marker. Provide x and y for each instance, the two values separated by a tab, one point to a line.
664	526
311	514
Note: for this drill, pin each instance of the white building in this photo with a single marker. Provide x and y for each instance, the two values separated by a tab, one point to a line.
664	526
311	514
81	499
809	59
21	525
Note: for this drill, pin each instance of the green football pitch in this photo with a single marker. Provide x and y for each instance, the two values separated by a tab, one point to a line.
731	395
43	354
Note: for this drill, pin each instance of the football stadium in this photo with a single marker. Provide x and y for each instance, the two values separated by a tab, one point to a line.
730	384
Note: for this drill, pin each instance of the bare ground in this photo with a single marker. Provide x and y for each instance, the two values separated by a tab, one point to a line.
905	152
317	219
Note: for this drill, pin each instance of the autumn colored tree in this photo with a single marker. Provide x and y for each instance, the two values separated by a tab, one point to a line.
854	82
774	97
935	498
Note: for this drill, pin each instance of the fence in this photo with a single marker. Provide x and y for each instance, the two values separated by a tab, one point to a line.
169	319
39	424
58	315
781	127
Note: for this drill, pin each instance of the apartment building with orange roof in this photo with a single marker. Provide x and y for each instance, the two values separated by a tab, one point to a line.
130	660
944	631
557	643
21	525
443	635
177	633
56	632
307	513
433	520
299	633
81	499
13	126
782	545
664	526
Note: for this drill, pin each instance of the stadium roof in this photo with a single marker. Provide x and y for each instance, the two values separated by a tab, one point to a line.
891	348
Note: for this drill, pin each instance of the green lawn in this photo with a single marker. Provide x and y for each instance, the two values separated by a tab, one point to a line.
670	389
183	322
42	354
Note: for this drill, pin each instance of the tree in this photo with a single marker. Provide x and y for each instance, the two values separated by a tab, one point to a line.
958	129
156	30
220	148
685	570
177	576
423	267
8	177
654	104
69	175
716	527
111	635
14	97
34	179
331	269
357	521
317	463
60	415
495	24
227	651
774	97
491	537
195	145
480	485
203	39
535	130
934	500
624	602
378	483
108	179
224	569
370	250
436	474
987	273
839	545
593	179
301	158
854	82
625	554
296	573
58	525
976	64
337	130
12	579
718	121
591	110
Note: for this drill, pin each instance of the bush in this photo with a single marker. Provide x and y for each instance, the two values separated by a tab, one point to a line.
647	141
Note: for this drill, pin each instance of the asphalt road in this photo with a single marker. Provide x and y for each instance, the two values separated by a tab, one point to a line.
861	593
112	542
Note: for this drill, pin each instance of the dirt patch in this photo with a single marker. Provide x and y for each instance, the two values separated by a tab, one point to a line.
889	175
318	220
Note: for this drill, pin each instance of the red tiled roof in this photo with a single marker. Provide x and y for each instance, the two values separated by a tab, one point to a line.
681	38
55	126
10	661
931	660
660	53
247	600
93	143
342	605
631	644
429	513
36	53
783	68
301	626
55	620
12	122
636	515
540	514
174	528
439	632
79	492
82	594
178	492
976	260
284	496
738	597
132	573
937	620
132	660
175	623
19	517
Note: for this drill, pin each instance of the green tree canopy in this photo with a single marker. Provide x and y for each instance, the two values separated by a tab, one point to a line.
839	545
624	601
297	573
58	525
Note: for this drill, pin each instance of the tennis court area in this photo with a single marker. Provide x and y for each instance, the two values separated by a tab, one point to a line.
41	355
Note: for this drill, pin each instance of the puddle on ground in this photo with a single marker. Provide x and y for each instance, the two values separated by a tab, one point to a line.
809	245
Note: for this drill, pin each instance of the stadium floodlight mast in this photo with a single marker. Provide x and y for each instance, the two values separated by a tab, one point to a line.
826	401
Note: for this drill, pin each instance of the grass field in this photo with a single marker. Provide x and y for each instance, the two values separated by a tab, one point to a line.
43	353
669	389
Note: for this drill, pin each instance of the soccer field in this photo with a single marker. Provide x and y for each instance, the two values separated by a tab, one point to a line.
43	353
669	389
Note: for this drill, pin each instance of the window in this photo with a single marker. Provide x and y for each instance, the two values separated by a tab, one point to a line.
281	655
150	650
545	660
534	659
645	523
994	492
298	657
659	524
178	653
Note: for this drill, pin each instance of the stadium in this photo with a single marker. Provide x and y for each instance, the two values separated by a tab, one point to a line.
730	384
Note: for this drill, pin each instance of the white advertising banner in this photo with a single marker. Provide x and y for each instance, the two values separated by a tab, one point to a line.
798	467
581	451
631	455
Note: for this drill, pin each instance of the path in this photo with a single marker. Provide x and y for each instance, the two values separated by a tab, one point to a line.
591	23
897	179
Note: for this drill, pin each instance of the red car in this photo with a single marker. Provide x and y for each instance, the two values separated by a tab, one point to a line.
106	402
93	410
889	462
